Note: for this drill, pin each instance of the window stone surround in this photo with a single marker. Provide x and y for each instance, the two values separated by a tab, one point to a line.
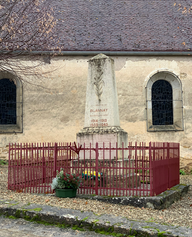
18	127
177	102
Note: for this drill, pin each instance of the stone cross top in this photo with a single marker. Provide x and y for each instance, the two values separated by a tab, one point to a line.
101	97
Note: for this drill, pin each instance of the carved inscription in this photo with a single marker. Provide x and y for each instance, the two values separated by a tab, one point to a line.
99	123
98	110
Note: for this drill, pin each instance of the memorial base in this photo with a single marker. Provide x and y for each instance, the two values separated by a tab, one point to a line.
109	136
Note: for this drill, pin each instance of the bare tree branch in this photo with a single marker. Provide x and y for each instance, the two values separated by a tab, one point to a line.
25	26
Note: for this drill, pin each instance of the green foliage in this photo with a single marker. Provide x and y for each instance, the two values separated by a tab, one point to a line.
12	217
182	172
36	218
18	214
63	226
161	234
144	170
75	227
110	231
65	180
13	204
96	214
27	218
3	162
95	221
35	209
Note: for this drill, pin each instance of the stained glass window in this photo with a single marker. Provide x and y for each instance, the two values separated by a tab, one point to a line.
7	102
162	103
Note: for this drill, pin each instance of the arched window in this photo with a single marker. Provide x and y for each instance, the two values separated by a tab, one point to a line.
11	103
162	103
7	101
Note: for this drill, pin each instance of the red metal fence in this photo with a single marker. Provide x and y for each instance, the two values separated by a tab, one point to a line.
136	170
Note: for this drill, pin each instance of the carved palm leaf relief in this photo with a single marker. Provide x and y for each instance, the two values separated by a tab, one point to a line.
98	84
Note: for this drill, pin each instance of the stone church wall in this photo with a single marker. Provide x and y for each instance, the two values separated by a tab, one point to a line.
54	104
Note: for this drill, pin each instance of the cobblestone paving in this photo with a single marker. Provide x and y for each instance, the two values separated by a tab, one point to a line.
23	228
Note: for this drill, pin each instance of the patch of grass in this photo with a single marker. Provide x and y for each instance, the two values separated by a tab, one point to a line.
95	221
96	214
182	172
3	162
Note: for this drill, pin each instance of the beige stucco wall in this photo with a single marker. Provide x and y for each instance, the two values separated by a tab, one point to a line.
54	105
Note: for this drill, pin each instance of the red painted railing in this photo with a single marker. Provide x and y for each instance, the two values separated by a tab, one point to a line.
137	170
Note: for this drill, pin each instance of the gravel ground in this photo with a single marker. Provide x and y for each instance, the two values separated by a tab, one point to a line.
179	213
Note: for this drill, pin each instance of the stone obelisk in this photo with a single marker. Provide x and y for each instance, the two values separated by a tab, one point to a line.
101	111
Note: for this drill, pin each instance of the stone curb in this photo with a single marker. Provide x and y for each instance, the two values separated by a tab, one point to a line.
89	220
161	201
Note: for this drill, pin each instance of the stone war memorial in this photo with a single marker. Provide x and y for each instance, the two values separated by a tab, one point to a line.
102	123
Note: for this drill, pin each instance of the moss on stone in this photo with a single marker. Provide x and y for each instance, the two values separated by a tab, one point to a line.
18	214
75	227
35	209
12	217
36	218
12	204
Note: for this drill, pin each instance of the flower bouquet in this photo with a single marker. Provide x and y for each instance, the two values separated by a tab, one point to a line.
65	184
